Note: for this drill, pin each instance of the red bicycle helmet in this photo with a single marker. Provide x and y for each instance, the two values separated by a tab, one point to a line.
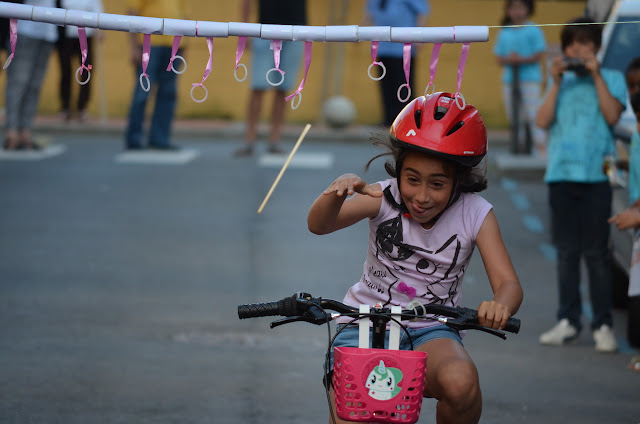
436	125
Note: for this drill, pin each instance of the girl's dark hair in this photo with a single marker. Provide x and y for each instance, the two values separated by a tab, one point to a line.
468	179
529	3
581	29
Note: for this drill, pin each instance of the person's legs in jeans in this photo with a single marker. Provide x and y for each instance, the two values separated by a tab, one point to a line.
40	59
163	112
18	79
565	201
133	135
595	247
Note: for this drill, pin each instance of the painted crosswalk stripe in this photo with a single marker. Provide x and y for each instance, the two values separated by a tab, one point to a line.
154	157
533	224
300	160
47	152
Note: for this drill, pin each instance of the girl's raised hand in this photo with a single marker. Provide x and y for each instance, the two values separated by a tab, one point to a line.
348	184
493	314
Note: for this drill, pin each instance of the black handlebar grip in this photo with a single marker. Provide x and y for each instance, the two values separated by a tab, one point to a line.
256	310
513	325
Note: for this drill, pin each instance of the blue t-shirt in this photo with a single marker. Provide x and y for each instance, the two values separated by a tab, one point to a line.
634	168
526	41
395	13
579	138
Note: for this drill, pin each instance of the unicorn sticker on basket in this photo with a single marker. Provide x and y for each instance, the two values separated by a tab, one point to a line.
382	382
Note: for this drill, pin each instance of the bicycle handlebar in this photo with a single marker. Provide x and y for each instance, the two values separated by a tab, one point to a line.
304	307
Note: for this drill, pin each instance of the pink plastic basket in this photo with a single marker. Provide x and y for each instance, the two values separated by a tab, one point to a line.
378	385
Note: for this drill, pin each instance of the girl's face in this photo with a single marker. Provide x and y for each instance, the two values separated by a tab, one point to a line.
518	12
426	184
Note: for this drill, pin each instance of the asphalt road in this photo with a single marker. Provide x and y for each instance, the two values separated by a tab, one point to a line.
120	277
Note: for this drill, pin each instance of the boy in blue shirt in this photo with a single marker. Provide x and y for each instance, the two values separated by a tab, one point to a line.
583	102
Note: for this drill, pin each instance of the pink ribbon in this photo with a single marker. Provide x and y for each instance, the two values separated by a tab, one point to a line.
242	42
276	46
374	53
13	37
406	61
409	291
84	49
406	65
307	64
209	67
433	65
464	54
174	50
146	53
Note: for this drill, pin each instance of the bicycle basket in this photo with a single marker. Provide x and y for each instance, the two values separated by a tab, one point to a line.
378	385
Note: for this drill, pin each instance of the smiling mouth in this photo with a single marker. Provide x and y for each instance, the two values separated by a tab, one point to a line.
420	212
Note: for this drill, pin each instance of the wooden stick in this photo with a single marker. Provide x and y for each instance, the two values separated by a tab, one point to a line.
293	152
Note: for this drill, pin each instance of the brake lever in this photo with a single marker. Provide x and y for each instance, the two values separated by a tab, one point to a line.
314	315
283	321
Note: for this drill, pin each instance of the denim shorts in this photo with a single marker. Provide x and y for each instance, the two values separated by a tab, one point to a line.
349	336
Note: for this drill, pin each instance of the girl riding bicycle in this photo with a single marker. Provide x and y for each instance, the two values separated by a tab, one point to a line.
424	223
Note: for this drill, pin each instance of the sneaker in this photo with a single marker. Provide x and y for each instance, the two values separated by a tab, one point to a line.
560	334
605	339
274	149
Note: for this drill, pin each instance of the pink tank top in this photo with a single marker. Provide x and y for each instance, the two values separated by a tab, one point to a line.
406	262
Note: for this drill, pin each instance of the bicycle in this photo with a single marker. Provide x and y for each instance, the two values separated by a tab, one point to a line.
372	384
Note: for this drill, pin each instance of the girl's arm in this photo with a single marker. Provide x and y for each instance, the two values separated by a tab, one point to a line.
334	210
507	292
547	111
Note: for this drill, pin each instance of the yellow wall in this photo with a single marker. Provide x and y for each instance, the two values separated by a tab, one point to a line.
113	76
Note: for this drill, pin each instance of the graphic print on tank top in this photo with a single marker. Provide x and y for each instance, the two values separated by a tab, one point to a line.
405	257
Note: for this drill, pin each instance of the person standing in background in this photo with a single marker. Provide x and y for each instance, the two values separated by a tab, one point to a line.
69	47
25	75
581	106
164	81
281	12
395	13
520	50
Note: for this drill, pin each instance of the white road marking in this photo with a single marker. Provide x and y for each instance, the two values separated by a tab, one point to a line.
300	160
46	152
155	157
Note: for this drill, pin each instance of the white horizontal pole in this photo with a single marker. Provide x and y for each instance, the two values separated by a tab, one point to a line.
189	28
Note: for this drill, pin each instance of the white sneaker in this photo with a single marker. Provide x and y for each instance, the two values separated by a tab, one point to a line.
605	339
560	334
